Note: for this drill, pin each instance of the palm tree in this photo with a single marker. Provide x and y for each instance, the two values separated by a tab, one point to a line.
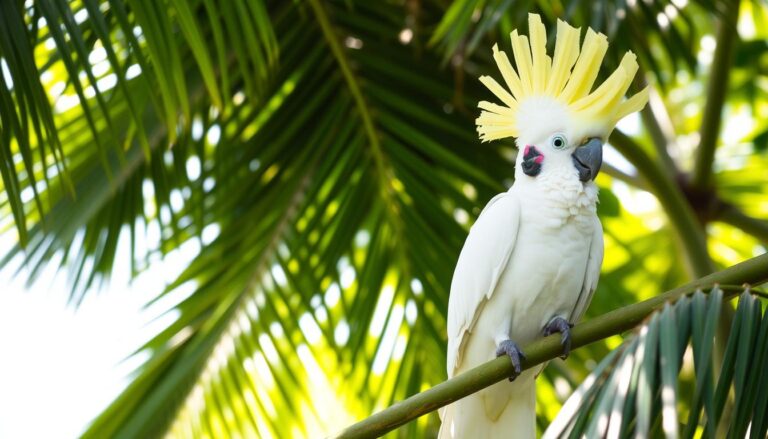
323	153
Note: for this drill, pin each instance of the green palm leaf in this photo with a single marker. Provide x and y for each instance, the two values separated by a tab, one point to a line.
637	389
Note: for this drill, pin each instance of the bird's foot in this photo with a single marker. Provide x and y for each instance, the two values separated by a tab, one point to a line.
559	324
512	350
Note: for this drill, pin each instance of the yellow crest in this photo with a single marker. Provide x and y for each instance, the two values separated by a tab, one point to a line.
566	77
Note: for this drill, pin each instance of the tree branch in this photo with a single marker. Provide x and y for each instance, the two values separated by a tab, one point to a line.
730	214
715	96
671	198
632	180
753	271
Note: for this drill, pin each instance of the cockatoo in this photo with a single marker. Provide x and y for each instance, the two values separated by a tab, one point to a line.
532	260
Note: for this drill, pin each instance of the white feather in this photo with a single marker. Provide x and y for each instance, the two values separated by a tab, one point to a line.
592	275
481	262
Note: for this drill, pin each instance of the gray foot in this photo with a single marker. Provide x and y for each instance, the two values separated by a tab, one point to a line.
512	350
559	324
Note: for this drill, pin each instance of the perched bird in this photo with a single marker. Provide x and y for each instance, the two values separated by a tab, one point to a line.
531	261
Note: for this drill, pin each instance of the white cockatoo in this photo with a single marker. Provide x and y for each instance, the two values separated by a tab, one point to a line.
531	261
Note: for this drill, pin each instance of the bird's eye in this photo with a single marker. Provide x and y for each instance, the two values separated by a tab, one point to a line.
558	141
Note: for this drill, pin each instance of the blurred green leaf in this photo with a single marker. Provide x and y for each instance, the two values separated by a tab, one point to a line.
654	347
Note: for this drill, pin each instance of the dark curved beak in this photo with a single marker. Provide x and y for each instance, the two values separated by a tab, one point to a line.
588	158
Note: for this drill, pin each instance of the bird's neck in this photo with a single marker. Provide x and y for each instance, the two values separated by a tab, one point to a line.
560	195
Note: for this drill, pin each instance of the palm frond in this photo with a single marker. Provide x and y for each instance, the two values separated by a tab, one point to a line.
637	389
138	95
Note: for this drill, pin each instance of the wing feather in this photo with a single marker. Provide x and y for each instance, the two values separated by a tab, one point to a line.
481	263
592	274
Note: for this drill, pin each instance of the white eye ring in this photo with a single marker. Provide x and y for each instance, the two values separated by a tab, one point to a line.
558	141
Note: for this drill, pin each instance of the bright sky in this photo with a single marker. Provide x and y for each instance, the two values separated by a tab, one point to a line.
60	367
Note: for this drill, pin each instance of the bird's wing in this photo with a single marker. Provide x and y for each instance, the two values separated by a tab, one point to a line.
481	263
592	274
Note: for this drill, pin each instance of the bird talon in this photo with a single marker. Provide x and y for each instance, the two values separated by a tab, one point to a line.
515	354
559	324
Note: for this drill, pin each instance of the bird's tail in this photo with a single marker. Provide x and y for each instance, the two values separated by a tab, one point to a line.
502	410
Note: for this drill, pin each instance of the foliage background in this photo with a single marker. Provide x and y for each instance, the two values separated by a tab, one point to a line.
324	154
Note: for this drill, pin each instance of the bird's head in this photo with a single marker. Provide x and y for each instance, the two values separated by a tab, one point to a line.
550	107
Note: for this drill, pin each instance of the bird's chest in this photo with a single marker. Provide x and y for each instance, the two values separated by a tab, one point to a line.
546	269
560	203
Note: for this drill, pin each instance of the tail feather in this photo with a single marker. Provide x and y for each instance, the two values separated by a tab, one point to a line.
473	416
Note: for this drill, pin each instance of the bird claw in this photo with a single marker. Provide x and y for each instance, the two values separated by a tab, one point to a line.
515	354
559	324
